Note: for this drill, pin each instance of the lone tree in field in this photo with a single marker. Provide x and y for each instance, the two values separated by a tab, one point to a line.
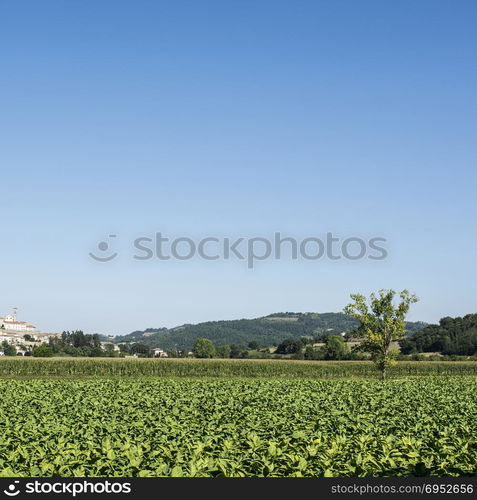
204	348
382	322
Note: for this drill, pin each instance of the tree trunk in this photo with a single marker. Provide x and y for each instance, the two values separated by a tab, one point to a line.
383	372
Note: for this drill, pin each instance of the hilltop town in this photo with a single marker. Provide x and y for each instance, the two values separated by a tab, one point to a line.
21	334
20	338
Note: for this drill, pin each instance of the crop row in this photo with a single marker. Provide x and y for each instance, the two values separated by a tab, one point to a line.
66	367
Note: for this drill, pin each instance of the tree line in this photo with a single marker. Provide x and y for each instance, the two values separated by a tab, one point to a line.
452	336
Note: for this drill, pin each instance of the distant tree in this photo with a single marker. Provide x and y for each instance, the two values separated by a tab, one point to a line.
253	345
223	351
124	348
289	346
309	353
236	351
175	353
320	338
97	352
28	338
56	345
298	355
141	350
96	340
9	349
335	348
109	349
381	322
42	351
203	348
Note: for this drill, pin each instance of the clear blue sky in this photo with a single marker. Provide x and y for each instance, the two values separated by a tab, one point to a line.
234	118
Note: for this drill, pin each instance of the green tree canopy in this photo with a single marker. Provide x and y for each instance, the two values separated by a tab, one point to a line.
204	348
223	351
381	322
42	351
8	349
335	348
289	346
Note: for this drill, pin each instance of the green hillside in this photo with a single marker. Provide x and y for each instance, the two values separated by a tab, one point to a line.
268	330
452	336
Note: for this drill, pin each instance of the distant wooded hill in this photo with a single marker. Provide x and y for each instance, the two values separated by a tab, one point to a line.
266	331
452	336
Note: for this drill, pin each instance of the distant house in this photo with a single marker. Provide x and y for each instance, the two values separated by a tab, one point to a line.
11	339
159	353
45	337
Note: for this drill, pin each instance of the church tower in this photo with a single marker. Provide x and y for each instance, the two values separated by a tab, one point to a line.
12	317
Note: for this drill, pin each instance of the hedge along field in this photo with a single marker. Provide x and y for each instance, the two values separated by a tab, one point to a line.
239	427
101	367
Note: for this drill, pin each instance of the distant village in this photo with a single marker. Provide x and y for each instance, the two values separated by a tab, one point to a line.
23	338
21	334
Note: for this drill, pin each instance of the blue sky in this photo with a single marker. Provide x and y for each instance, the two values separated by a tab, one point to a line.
229	118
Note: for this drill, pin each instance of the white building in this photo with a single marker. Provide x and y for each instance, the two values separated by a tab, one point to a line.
11	339
18	326
9	323
159	353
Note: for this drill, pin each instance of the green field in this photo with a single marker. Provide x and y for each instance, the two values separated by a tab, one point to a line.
108	367
240	427
113	417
